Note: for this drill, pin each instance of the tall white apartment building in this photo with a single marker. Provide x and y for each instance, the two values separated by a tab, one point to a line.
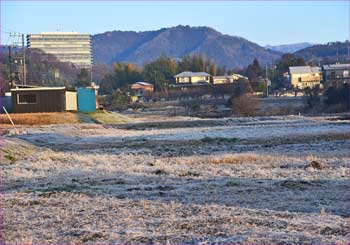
65	46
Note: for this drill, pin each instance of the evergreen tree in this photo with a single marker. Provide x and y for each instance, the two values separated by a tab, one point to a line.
83	78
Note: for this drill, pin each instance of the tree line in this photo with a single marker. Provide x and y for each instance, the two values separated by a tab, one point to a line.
160	72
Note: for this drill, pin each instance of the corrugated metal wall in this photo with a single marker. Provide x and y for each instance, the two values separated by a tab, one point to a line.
46	101
86	100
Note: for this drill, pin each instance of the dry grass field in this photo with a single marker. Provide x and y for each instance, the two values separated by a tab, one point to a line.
39	118
48	118
280	180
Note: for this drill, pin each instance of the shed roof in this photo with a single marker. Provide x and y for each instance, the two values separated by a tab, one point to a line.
303	69
192	74
38	88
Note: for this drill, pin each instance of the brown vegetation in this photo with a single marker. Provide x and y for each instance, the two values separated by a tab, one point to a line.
40	118
237	159
245	105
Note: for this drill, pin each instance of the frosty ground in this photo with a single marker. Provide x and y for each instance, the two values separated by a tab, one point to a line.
179	180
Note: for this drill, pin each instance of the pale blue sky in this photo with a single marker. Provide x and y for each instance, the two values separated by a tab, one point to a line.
264	22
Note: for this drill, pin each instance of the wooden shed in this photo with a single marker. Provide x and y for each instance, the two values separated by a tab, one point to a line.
38	99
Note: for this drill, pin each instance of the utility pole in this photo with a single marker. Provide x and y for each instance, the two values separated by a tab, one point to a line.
19	58
349	80
24	62
10	65
203	60
337	57
267	82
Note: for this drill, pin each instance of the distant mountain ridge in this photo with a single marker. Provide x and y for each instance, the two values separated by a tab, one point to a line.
326	53
289	48
146	46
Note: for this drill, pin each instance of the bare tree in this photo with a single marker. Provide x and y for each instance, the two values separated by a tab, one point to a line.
245	105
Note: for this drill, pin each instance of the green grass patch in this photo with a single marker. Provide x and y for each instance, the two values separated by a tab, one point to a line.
107	117
10	158
13	151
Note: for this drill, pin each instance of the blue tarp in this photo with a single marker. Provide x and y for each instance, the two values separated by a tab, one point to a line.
7	103
86	100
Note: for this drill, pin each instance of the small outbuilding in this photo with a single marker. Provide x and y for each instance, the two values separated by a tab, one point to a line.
25	99
87	100
38	99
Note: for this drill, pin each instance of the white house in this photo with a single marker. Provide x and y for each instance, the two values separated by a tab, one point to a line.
192	77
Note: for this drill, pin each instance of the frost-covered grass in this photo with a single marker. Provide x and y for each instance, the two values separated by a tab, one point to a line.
101	184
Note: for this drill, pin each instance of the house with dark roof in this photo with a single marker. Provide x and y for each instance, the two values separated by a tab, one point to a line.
336	74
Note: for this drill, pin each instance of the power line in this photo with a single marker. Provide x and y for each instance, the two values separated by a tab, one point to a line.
5	32
8	29
18	59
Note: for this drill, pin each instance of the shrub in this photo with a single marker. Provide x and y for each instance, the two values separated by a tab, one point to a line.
337	96
244	105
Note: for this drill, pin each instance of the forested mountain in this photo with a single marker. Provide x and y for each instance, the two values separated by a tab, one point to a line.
326	53
176	42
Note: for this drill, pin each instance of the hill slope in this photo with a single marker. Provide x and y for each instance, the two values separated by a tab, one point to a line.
289	48
326	53
142	47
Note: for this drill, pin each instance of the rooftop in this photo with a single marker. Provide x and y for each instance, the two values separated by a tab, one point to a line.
336	66
303	69
144	84
192	74
230	76
38	88
58	33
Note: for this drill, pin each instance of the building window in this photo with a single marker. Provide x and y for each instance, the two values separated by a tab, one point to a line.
26	99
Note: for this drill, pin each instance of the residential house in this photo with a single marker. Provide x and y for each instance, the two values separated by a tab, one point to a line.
228	78
194	78
302	77
140	88
336	74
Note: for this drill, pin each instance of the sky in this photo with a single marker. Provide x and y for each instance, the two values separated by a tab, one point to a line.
263	22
